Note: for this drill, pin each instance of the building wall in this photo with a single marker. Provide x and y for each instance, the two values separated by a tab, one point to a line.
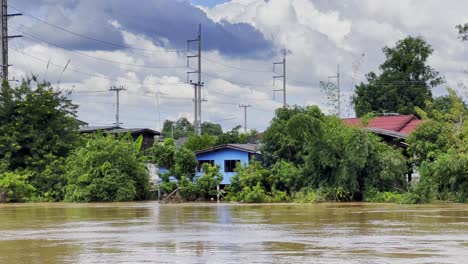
219	156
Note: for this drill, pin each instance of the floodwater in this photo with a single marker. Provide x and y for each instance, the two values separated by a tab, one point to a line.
230	233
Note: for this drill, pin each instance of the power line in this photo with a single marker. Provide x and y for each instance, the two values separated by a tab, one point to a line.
32	37
88	37
93	75
233	67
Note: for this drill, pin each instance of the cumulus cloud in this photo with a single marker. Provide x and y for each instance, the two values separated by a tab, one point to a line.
241	39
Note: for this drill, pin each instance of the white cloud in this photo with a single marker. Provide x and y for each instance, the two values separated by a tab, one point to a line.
320	35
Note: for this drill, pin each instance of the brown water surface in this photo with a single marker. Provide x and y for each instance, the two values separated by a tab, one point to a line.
229	233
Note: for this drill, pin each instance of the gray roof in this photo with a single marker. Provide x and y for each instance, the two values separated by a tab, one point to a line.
133	131
250	148
116	130
180	141
386	132
92	129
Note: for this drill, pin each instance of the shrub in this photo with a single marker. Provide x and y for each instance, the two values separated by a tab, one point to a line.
106	169
14	187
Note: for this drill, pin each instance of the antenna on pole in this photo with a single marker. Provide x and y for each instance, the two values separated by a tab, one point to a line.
282	76
5	38
117	90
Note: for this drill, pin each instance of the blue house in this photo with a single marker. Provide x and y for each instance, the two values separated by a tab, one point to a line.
226	157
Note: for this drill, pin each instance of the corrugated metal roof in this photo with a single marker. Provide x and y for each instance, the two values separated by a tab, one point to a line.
250	148
411	126
133	130
116	130
404	124
91	129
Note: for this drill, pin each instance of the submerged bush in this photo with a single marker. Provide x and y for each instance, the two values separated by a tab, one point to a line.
14	187
107	169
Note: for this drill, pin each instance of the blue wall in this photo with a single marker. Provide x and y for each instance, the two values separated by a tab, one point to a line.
219	156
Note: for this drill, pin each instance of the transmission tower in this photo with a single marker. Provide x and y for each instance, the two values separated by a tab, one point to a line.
199	84
337	76
282	76
5	38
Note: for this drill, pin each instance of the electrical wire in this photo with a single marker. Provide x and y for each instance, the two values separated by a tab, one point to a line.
233	67
90	74
85	36
32	37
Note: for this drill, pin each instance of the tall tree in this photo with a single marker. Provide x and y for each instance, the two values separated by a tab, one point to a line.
38	130
178	129
405	81
462	31
211	129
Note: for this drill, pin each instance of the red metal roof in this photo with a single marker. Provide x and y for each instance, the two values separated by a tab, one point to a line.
404	124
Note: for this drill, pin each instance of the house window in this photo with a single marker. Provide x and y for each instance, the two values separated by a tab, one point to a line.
201	162
230	165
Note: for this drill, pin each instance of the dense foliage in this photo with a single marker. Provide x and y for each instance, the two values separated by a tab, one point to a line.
440	148
404	83
462	31
107	169
234	136
177	129
38	130
306	150
178	162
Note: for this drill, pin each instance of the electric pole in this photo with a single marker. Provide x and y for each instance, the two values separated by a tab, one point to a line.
117	90
197	85
282	76
5	38
245	115
337	76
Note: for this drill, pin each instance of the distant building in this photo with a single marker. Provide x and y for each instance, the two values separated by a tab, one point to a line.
394	129
226	157
148	134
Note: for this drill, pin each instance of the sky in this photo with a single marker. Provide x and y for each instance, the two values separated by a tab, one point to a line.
142	46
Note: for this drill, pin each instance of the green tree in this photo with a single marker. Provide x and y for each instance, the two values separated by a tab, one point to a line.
197	142
185	163
179	162
107	169
38	130
307	150
232	136
278	145
211	129
208	182
440	147
462	31
14	187
180	128
405	81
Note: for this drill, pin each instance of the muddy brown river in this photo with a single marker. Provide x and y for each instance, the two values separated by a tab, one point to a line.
230	233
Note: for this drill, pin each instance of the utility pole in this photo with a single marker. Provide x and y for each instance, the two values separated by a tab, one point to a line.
5	38
199	84
117	90
337	76
245	115
283	76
